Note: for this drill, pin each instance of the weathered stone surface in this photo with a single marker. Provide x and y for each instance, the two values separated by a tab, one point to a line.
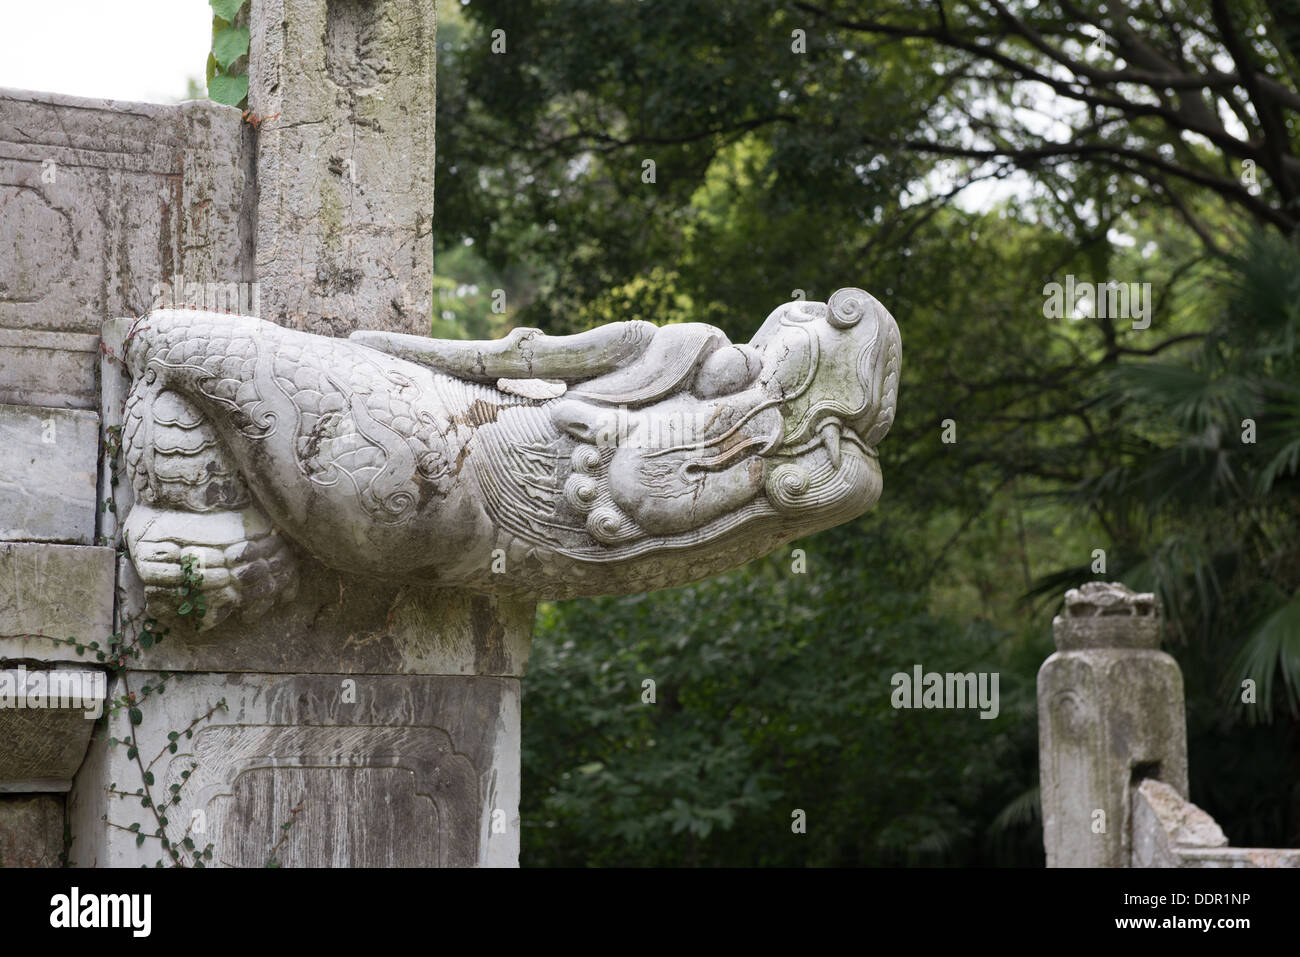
48	474
1170	831
60	591
1107	716
343	624
53	369
1164	823
395	772
656	456
102	202
345	90
46	715
1238	857
1113	745
1100	615
31	830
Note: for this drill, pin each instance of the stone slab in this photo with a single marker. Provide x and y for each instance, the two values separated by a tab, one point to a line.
342	624
101	203
31	830
384	771
53	591
52	369
46	716
1170	831
48	474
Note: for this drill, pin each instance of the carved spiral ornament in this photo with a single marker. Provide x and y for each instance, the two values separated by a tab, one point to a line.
787	485
609	525
586	459
581	492
846	307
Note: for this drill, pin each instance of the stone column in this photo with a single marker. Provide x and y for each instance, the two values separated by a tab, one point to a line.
342	93
1110	714
360	723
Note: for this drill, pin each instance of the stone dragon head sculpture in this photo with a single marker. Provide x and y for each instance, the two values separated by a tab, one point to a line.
626	458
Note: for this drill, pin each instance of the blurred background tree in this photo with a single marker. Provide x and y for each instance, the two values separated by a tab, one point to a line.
708	159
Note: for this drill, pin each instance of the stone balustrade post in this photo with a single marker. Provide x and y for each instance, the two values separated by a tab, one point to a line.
1110	714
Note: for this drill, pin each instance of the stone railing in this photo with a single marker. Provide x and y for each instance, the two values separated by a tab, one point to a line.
1112	736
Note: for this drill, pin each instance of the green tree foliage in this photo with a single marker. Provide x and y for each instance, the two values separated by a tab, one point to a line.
799	146
772	696
1217	441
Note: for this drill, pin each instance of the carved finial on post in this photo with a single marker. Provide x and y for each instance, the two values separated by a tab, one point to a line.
1110	713
1101	615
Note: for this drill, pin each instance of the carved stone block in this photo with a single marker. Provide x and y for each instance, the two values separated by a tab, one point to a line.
48	474
344	162
100	204
46	716
622	459
373	771
59	591
1110	713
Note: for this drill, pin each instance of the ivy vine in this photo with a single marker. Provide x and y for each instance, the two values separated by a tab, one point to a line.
227	71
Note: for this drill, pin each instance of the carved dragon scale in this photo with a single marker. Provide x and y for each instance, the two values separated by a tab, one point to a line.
626	458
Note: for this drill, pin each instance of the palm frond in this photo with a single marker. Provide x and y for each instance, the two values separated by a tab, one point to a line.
1020	811
1271	649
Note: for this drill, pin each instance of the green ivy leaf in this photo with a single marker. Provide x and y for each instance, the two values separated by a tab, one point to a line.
135	716
229	45
229	90
148	778
225	9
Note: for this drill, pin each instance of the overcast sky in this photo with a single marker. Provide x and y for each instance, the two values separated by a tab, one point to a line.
126	50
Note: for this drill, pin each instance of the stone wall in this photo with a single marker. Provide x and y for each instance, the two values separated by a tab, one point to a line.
380	722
